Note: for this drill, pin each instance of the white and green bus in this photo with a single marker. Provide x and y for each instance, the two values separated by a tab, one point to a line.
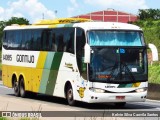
76	59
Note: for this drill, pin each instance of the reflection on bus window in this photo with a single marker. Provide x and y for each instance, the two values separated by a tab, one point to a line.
115	38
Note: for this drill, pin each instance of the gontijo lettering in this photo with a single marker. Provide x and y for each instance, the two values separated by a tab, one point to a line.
25	58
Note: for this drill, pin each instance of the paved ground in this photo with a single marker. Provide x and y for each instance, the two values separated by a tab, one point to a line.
8	102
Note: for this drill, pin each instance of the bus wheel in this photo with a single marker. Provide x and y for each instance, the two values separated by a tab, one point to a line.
16	87
22	88
69	96
120	104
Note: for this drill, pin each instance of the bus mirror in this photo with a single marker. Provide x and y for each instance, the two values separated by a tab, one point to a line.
87	53
154	52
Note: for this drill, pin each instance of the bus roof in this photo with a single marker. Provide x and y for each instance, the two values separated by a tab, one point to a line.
107	25
86	24
61	21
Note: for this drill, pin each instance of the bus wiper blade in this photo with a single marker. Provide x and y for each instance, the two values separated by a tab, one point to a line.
112	73
128	70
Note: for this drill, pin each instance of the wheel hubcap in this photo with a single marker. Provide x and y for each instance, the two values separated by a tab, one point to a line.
16	86
70	96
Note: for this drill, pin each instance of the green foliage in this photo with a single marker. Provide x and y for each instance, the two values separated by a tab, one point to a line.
15	20
3	118
154	74
150	23
145	14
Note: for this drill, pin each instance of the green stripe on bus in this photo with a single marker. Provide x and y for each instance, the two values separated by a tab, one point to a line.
53	73
46	72
125	85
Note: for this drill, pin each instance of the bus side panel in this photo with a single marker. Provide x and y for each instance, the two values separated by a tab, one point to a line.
50	72
26	73
4	74
36	79
37	73
68	71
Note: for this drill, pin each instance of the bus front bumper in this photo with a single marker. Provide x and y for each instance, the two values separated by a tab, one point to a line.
116	97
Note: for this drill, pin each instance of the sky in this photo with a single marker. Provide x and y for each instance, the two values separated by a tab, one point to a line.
34	10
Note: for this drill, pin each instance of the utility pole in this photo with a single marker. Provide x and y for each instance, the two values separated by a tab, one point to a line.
43	16
55	12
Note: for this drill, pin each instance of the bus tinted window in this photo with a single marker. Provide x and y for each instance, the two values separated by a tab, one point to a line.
37	39
69	40
5	40
80	43
16	43
63	40
58	39
115	38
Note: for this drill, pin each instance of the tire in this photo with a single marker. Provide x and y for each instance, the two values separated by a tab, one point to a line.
22	91
16	87
69	96
120	104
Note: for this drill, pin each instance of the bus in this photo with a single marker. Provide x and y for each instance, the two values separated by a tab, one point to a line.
76	59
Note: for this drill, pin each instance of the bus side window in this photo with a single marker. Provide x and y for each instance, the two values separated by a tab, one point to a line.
24	39
53	42
80	43
59	39
17	40
5	42
10	39
60	43
37	40
69	40
27	38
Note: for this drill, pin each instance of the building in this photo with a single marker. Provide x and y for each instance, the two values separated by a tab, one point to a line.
110	15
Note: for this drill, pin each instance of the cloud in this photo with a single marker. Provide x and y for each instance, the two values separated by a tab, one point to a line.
33	10
126	5
73	8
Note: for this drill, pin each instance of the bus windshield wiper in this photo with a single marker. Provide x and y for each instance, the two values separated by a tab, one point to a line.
112	72
128	70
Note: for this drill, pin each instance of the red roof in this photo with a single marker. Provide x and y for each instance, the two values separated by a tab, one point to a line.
110	15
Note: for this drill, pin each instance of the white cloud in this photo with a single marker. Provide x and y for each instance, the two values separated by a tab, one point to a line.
33	10
127	5
72	10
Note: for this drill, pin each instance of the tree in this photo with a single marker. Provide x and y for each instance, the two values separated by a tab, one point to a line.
15	20
2	25
153	14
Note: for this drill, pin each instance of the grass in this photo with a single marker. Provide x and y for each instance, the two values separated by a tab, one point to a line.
0	60
3	118
0	66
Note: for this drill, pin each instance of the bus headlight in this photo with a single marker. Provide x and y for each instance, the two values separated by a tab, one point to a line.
141	90
97	90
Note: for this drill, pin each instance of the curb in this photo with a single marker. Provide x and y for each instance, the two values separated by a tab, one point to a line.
153	91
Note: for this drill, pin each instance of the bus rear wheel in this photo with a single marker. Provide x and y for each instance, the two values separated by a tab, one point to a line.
22	88
69	96
16	87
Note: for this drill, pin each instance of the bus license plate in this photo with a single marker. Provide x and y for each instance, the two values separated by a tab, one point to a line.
120	97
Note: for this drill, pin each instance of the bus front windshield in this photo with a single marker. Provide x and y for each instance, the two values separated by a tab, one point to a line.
119	62
115	38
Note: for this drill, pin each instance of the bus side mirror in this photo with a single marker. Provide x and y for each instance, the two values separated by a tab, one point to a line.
87	53
154	52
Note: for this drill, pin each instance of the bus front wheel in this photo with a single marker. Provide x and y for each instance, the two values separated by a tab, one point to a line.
69	96
22	88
